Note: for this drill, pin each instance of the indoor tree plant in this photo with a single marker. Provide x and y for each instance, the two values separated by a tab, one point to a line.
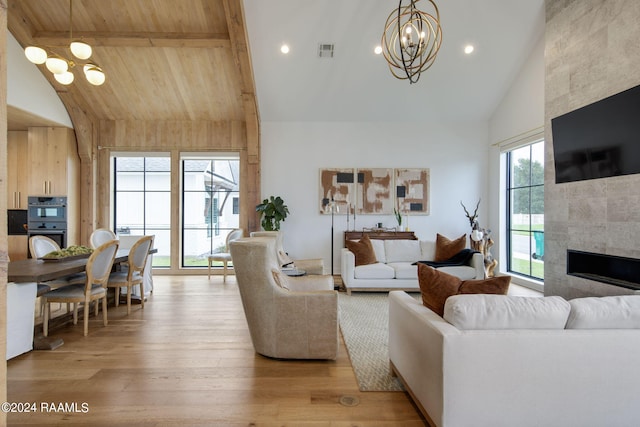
272	211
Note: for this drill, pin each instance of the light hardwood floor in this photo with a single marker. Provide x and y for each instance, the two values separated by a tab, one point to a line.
187	360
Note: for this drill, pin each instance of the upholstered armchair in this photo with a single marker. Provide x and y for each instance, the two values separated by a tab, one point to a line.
288	317
311	266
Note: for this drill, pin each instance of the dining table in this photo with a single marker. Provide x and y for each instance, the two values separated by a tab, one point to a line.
23	277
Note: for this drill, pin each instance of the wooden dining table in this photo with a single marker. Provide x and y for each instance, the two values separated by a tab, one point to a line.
22	278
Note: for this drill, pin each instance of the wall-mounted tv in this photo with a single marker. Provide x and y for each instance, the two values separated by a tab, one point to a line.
599	140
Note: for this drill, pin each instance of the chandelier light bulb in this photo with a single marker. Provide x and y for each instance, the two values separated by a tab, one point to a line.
80	50
35	55
284	49
378	50
65	78
57	65
94	74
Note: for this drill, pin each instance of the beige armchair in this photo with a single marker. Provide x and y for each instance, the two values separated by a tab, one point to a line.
311	266
284	323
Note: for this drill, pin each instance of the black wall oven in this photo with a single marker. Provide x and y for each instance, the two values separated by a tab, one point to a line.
47	216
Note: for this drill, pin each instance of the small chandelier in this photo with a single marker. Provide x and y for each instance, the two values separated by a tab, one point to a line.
60	66
411	40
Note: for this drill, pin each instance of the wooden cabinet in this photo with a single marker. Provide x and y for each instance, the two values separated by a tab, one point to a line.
17	164
17	247
44	161
53	161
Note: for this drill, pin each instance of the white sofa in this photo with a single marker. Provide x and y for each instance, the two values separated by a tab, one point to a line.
497	360
395	270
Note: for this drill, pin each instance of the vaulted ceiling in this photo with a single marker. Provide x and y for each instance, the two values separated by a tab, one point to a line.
190	59
163	59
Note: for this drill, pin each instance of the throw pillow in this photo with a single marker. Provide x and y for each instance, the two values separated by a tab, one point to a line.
362	250
446	248
498	285
436	286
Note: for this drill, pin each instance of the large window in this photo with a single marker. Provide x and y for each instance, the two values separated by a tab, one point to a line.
210	205
142	201
525	216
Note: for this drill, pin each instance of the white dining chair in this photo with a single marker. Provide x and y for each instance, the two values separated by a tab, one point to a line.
224	256
101	236
138	256
94	289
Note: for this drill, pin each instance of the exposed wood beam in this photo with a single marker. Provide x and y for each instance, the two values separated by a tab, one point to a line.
133	39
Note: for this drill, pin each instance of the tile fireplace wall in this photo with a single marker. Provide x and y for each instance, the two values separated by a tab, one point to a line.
592	50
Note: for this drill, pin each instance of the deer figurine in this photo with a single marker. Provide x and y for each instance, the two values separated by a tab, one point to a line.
473	219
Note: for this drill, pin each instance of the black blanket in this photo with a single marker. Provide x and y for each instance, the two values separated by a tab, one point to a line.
461	258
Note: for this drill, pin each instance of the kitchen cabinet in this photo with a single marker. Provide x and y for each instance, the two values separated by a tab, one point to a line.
53	161
17	247
17	167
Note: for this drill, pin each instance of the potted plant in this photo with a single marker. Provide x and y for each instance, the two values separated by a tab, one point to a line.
398	216
272	211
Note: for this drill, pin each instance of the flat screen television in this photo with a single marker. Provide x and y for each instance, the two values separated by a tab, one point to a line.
599	140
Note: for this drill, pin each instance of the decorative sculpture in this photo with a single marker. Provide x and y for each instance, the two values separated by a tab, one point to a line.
480	240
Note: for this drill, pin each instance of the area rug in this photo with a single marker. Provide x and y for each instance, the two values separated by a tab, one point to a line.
364	322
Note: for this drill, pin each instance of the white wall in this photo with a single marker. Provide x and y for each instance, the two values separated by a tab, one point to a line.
29	90
520	112
294	152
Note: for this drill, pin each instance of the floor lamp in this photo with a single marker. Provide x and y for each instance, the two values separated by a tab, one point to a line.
330	204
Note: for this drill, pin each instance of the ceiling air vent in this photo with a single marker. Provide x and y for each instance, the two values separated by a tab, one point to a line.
325	50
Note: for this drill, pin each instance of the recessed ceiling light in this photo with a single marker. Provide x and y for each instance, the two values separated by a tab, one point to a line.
378	50
468	49
284	48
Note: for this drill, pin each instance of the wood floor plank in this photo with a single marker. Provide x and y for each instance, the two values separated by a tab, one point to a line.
187	360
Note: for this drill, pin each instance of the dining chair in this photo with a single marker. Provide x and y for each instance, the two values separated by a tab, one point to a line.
39	246
225	256
100	236
98	269
137	260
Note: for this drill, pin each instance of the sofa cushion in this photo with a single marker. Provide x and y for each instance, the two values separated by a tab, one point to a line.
402	250
463	272
436	286
428	249
404	270
506	312
362	250
614	312
378	248
374	271
446	248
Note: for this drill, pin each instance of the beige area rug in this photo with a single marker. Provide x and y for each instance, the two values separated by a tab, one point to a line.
364	322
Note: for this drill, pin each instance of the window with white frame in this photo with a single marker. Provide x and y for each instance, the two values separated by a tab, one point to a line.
525	210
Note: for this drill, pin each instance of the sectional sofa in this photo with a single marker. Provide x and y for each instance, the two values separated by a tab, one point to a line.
497	360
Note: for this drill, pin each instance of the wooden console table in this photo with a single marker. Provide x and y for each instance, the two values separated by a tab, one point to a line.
380	235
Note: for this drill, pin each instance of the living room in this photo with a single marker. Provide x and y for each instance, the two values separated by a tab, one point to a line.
584	53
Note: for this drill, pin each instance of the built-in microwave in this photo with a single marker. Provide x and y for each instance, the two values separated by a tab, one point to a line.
47	209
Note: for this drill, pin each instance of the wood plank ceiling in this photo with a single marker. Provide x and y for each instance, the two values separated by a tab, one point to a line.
163	59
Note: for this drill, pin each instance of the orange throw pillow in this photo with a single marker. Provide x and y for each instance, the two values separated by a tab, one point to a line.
363	251
436	286
446	248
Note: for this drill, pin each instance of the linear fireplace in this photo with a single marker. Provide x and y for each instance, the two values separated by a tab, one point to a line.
615	270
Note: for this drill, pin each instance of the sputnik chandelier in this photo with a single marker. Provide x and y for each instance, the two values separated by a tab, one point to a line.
411	40
60	66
